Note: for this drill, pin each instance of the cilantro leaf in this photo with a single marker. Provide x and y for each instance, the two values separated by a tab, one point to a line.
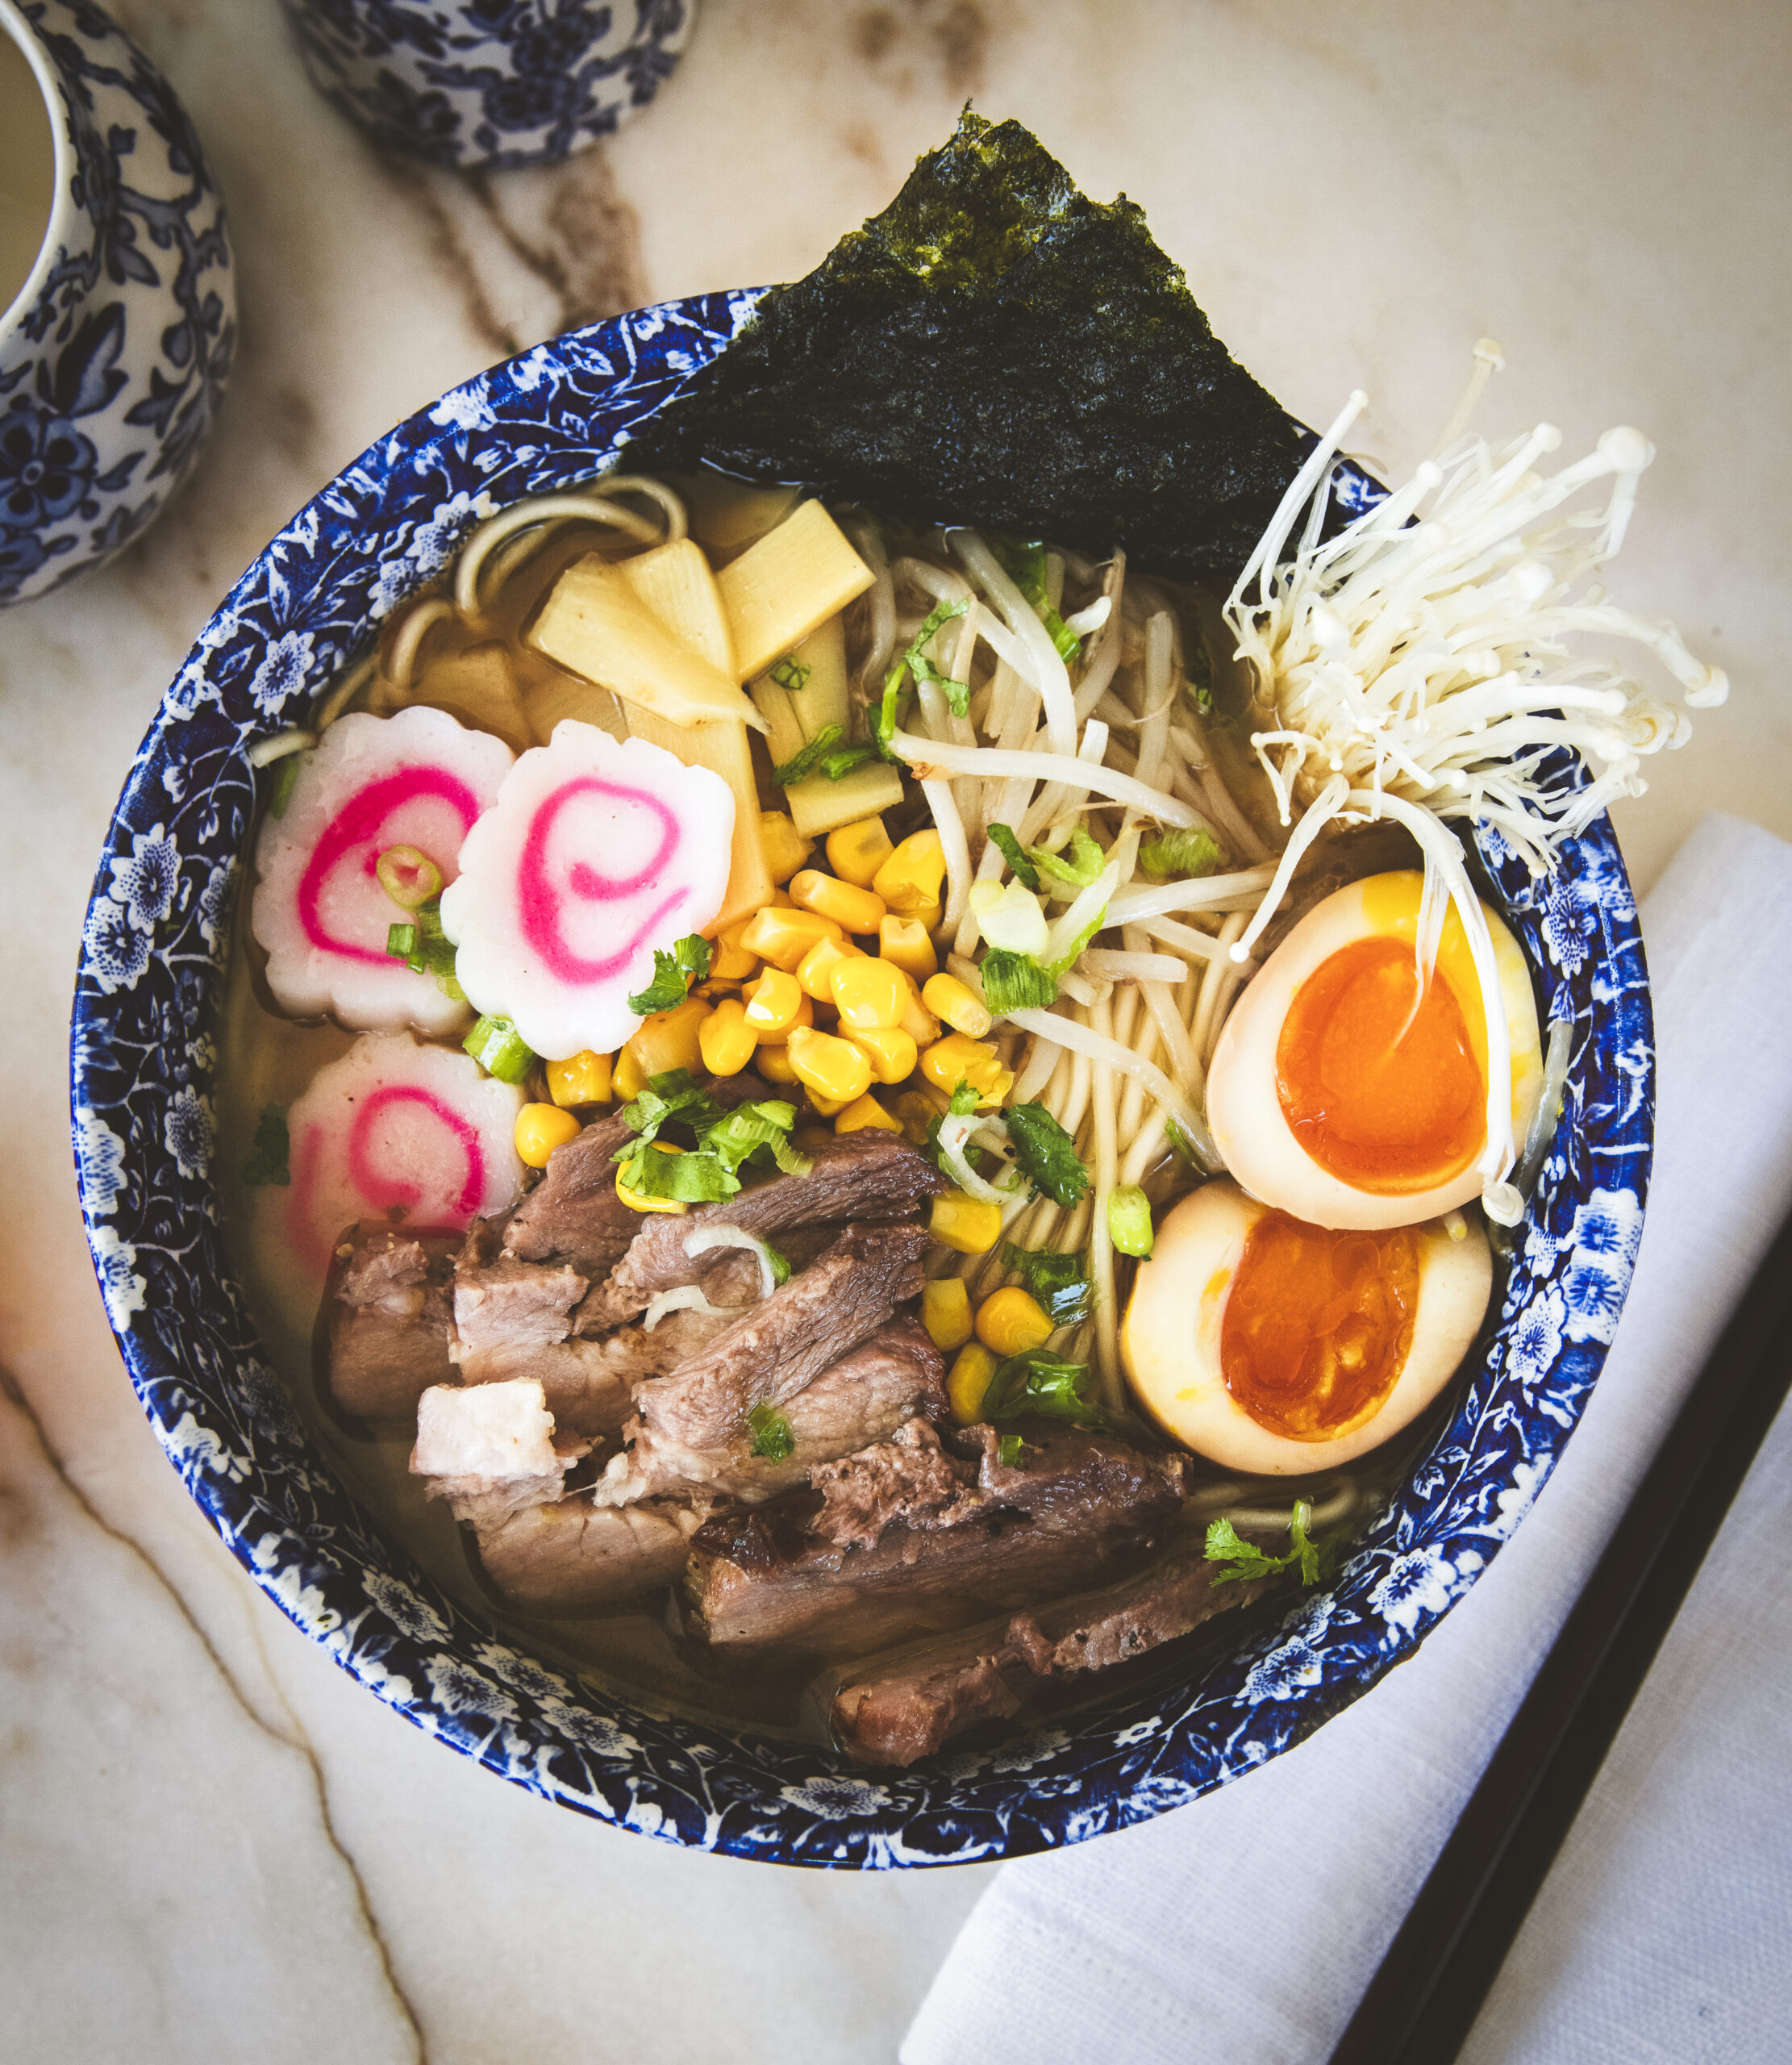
1242	1560
800	765
836	767
1016	982
772	1438
1003	839
266	1162
964	1099
1046	1152
1058	1284
1191	853
1042	1384
689	955
792	675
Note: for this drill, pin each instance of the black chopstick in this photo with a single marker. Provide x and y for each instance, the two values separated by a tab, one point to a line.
1423	1999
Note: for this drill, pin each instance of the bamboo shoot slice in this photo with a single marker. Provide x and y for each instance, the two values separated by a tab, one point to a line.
675	582
818	806
594	623
793	717
795	579
727	515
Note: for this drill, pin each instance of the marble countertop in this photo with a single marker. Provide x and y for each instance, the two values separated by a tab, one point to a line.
216	1845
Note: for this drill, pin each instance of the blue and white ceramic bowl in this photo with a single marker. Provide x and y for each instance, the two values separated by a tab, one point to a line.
143	1079
115	353
490	84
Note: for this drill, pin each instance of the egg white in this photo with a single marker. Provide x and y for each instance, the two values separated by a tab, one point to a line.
1171	1336
1255	1140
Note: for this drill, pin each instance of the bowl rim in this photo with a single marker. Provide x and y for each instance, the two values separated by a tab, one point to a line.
153	958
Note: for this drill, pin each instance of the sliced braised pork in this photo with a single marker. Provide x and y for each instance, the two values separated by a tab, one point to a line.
574	1214
868	1394
865	1176
916	1705
390	1315
771	1352
573	1557
1077	1508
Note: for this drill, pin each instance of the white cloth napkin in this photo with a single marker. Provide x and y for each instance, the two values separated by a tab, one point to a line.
1243	1928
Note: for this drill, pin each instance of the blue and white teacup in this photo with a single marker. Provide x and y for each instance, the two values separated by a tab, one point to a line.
490	84
115	279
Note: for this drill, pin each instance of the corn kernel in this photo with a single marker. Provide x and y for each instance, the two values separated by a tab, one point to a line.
920	1024
817	964
909	881
730	962
782	937
542	1128
1009	1322
955	1059
857	909
917	1110
864	1112
785	848
969	1382
774	1065
868	993
964	1223
855	852
634	1200
669	1039
946	1313
830	1108
628	1077
890	1050
958	1004
926	915
726	1040
585	1079
774	1004
905	941
827	1066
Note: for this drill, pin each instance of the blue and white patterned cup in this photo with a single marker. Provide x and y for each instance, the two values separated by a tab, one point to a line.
120	303
490	84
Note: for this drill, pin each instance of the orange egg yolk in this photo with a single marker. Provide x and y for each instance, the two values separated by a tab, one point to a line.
1318	1326
1381	1103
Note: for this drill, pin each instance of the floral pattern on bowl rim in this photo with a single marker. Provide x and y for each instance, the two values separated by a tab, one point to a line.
112	377
142	1062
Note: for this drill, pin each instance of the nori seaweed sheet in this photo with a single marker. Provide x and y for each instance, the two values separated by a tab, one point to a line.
997	349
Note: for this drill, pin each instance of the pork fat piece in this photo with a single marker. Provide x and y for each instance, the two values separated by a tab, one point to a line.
388	1319
487	1449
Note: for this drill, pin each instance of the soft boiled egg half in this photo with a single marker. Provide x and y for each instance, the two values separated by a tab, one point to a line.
1282	1349
1339	1094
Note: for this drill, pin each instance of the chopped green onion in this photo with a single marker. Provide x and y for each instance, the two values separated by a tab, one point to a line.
1023	559
1015	982
1199	683
1192	853
781	1264
1084	861
1129	1219
401	941
266	1162
915	663
772	1439
409	876
1008	1451
801	764
1006	843
499	1049
791	674
285	780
